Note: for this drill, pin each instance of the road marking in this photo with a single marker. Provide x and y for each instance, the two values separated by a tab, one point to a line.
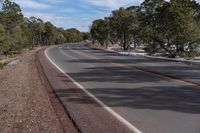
64	53
168	77
112	112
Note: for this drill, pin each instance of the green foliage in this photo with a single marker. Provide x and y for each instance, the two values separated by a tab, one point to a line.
17	32
12	16
174	28
99	31
2	65
11	19
121	26
171	27
148	25
73	35
125	23
188	54
58	36
86	36
4	46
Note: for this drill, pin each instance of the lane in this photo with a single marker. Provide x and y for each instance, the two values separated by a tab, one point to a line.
89	117
152	103
181	70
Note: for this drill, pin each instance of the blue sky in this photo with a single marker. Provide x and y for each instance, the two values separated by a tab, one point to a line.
72	13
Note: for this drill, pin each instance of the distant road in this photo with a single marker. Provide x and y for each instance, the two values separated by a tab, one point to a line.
154	96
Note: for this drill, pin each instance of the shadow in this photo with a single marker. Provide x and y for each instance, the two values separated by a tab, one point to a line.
179	71
112	75
137	92
121	87
155	98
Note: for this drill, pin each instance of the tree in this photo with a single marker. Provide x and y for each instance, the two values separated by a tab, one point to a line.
12	18
58	34
100	31
184	31
124	23
17	32
73	35
170	27
34	29
136	32
4	47
86	36
148	24
48	33
112	36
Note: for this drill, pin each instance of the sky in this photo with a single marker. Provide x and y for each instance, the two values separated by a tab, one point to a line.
72	13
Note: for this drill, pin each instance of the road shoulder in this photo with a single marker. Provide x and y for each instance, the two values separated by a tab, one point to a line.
26	102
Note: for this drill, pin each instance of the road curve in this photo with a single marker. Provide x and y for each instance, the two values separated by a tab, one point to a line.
154	96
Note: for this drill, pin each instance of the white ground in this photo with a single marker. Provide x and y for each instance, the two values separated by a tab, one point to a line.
116	48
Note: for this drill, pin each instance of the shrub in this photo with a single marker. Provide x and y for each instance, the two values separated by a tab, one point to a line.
2	65
189	54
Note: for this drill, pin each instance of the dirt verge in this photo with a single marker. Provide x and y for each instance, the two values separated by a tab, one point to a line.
26	102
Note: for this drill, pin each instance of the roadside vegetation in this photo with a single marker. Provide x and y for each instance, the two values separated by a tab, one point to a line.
158	26
1	65
18	32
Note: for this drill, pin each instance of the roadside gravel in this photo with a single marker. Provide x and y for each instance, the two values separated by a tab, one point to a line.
25	103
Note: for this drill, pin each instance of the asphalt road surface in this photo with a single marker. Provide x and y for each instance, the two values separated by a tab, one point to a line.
154	96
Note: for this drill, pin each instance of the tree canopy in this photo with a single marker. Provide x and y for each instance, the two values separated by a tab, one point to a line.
169	27
18	32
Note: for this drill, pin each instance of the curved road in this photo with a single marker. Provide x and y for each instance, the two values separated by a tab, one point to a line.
155	96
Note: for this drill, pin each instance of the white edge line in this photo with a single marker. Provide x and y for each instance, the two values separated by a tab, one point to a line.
116	115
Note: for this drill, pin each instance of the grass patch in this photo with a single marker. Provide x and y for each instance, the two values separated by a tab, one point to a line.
2	65
189	54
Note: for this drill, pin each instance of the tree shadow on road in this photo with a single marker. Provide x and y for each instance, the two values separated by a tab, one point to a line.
117	86
156	97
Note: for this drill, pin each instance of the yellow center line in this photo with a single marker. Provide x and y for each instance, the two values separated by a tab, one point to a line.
134	68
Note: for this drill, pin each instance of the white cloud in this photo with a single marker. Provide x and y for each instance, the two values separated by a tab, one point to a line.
64	13
62	21
114	4
69	10
31	4
53	1
58	20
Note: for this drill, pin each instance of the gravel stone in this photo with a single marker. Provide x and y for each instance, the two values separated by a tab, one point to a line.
25	105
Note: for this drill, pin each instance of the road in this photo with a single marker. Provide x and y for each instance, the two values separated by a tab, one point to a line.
154	96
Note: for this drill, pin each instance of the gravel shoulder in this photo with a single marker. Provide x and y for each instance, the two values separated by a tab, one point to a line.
27	103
